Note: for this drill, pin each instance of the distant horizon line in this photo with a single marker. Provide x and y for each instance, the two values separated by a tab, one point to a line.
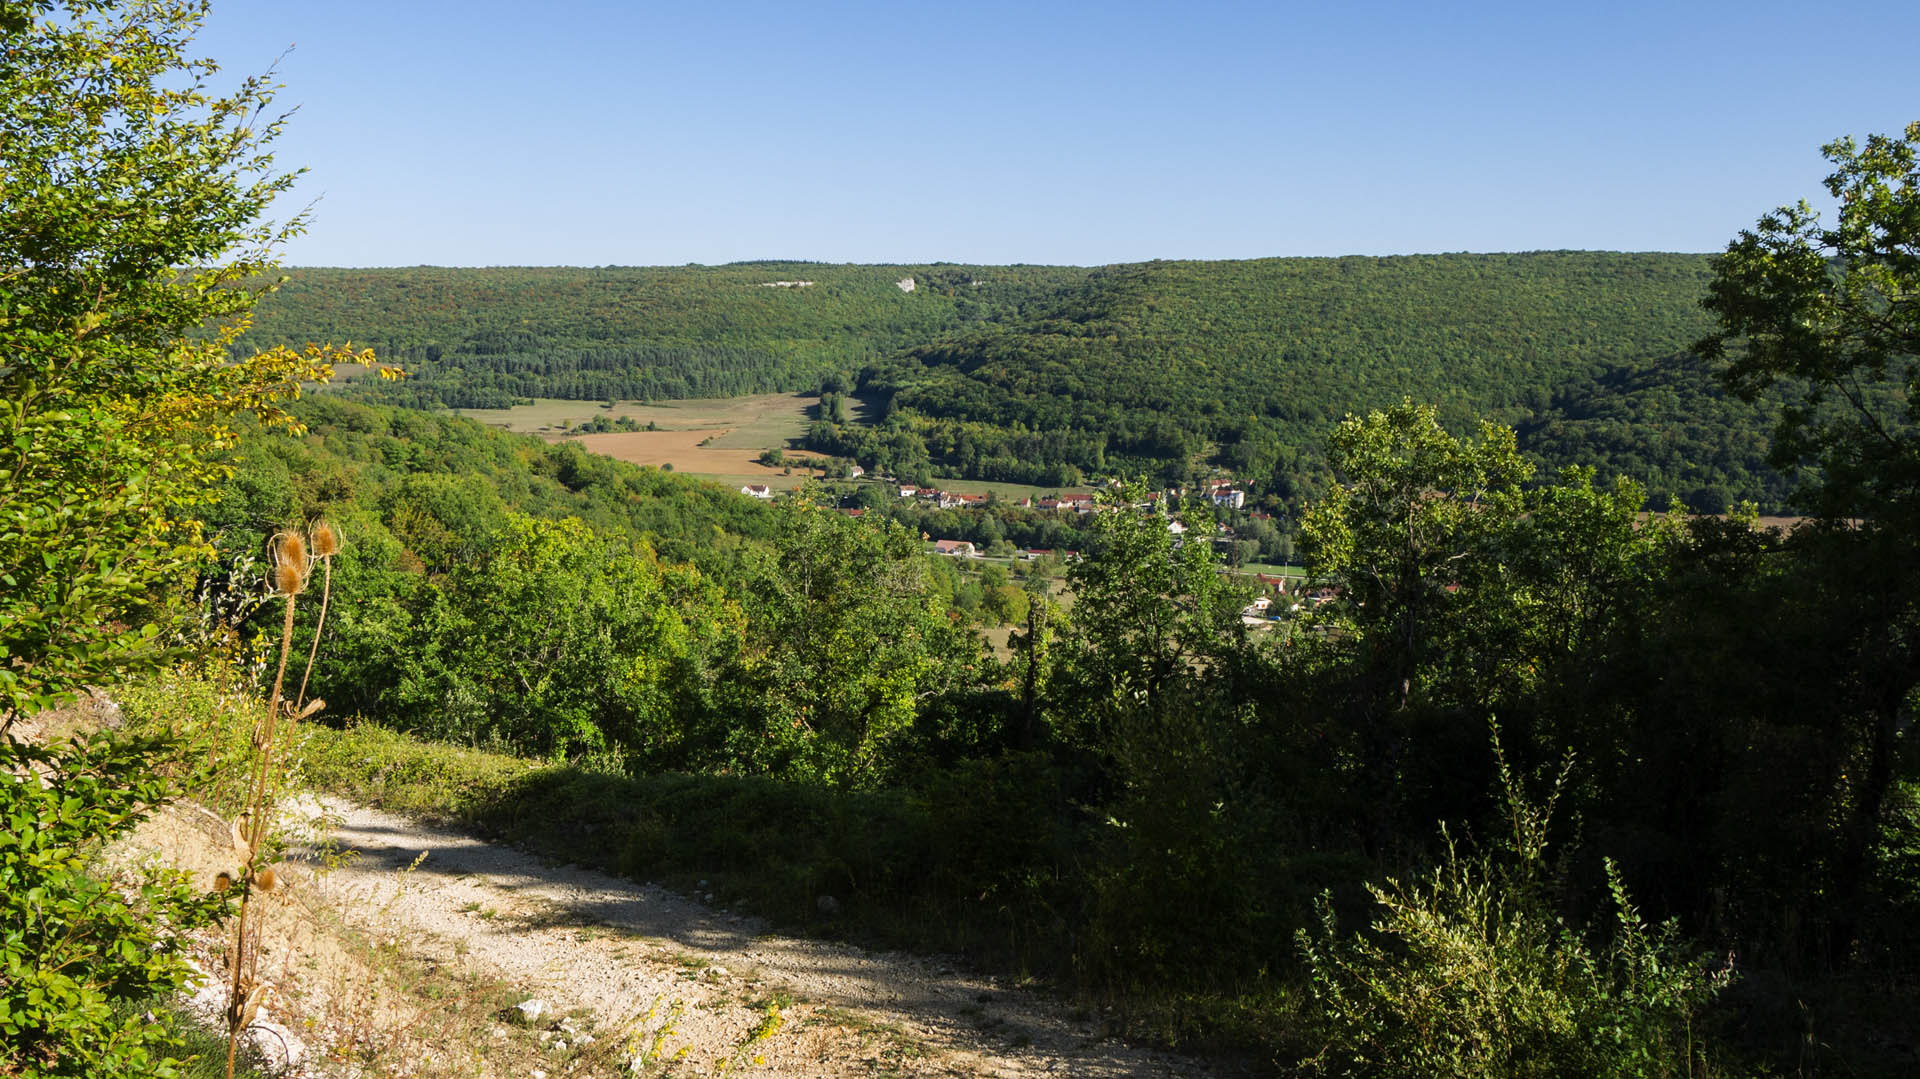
946	262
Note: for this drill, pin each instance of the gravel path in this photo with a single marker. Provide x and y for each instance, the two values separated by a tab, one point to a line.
643	960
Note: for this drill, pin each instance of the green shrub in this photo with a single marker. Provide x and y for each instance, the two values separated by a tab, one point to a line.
75	950
1470	973
1465	977
202	1050
405	774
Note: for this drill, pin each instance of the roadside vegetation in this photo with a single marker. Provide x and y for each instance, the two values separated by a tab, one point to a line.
1037	810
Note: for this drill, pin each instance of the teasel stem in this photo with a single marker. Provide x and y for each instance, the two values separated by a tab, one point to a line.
256	824
246	965
326	593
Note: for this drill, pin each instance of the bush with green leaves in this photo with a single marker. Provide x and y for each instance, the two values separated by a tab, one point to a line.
123	184
1470	972
133	242
74	949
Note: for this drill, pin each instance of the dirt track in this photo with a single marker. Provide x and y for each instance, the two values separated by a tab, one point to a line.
583	940
633	968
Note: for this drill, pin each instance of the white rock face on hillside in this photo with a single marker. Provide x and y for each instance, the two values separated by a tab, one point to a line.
905	284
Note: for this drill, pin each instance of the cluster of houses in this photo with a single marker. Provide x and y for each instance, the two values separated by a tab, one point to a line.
966	549
946	500
1278	594
951	500
1075	503
1220	494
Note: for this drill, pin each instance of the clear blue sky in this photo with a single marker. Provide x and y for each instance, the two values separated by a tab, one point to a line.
563	133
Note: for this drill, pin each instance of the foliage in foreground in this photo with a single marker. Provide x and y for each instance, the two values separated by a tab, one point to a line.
112	178
1470	972
75	946
132	240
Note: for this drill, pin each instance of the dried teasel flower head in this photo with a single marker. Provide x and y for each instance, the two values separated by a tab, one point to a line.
241	1012
222	881
326	539
290	549
289	563
266	880
288	580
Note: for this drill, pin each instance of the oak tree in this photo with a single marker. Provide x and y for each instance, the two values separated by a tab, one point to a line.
1829	314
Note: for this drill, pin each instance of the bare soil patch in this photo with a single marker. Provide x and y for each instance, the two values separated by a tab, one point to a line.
696	452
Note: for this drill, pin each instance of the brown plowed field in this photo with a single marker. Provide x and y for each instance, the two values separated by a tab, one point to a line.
683	450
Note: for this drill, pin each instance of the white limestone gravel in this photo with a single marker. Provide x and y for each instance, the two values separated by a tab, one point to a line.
639	959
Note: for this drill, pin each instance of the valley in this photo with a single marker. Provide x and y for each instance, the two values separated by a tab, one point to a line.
1052	377
1369	666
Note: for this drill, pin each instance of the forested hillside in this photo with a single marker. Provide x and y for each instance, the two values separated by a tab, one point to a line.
1669	424
1055	375
1156	364
444	482
480	338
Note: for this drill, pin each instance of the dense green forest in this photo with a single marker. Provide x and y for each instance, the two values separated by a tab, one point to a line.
483	338
1149	366
1053	375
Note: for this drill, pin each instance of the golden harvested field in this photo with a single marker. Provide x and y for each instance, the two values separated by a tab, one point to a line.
683	450
734	429
746	423
734	432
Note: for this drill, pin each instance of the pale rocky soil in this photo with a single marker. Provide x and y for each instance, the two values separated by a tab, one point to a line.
399	950
635	968
583	940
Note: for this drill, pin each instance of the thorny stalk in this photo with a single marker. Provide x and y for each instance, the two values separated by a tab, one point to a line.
293	566
245	959
326	594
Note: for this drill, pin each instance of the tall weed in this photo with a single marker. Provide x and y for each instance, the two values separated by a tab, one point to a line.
1469	972
295	556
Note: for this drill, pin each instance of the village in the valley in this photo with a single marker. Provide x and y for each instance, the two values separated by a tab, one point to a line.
1281	590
